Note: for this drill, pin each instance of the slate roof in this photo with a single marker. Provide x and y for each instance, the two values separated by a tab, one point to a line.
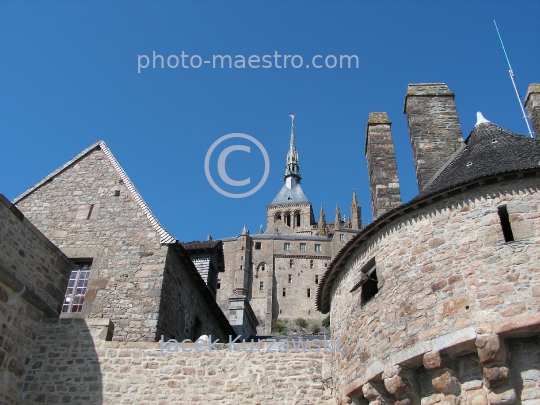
201	245
488	150
293	195
512	156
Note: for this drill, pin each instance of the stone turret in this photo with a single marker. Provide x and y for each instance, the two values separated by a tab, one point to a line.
382	168
337	219
356	213
323	230
532	103
433	128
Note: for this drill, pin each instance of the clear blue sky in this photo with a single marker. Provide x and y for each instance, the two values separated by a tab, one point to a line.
69	77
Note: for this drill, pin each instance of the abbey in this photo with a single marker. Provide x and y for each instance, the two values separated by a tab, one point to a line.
437	301
275	273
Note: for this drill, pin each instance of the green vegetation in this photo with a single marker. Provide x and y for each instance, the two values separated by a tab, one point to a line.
315	328
326	322
280	327
301	322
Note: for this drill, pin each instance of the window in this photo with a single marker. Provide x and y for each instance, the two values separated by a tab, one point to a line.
317	247
341	237
287	246
309	292
316	279
368	282
290	278
291	263
297	219
78	281
261	286
505	224
263	267
257	245
218	283
311	264
288	219
302	247
284	292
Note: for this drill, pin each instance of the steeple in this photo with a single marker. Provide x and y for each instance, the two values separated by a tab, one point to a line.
337	220
356	213
292	169
322	230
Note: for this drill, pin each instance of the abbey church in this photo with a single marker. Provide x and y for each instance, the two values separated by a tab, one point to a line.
437	301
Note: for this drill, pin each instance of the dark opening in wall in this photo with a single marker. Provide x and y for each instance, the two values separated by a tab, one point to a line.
257	245
505	224
297	219
370	288
218	283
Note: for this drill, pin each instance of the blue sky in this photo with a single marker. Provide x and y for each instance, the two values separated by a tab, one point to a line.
69	78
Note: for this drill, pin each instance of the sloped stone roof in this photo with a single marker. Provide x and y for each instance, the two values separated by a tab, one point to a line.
488	150
201	245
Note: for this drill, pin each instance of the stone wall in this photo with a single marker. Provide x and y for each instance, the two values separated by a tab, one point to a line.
532	103
33	277
75	364
433	128
448	283
382	167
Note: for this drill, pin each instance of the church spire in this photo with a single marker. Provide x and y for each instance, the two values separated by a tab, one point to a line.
292	169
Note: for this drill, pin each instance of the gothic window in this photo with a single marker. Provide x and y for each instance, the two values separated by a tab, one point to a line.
317	247
277	217
288	219
302	247
297	216
78	281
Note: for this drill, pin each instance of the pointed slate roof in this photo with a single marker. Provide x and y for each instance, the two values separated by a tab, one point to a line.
488	150
165	237
292	195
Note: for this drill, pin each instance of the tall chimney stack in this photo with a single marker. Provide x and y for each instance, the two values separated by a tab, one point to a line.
532	103
382	168
433	128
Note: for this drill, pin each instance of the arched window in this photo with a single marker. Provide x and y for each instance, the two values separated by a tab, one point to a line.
277	217
288	219
297	218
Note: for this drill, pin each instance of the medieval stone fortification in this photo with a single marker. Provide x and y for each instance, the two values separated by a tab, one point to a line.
436	301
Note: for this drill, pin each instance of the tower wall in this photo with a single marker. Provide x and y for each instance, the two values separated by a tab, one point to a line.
433	128
382	167
532	103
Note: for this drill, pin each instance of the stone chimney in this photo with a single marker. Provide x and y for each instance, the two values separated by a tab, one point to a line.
382	168
433	128
532	103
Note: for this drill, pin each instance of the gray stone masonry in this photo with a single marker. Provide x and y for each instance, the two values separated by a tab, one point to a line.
532	103
33	277
382	167
433	128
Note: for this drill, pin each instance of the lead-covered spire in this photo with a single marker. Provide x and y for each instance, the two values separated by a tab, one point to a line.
292	168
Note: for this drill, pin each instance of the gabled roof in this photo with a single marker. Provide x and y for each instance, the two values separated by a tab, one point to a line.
293	195
488	150
165	237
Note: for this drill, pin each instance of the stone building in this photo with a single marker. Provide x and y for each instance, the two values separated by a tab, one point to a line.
129	269
438	300
275	273
435	302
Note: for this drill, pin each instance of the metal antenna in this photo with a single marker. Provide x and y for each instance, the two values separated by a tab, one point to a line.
511	72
